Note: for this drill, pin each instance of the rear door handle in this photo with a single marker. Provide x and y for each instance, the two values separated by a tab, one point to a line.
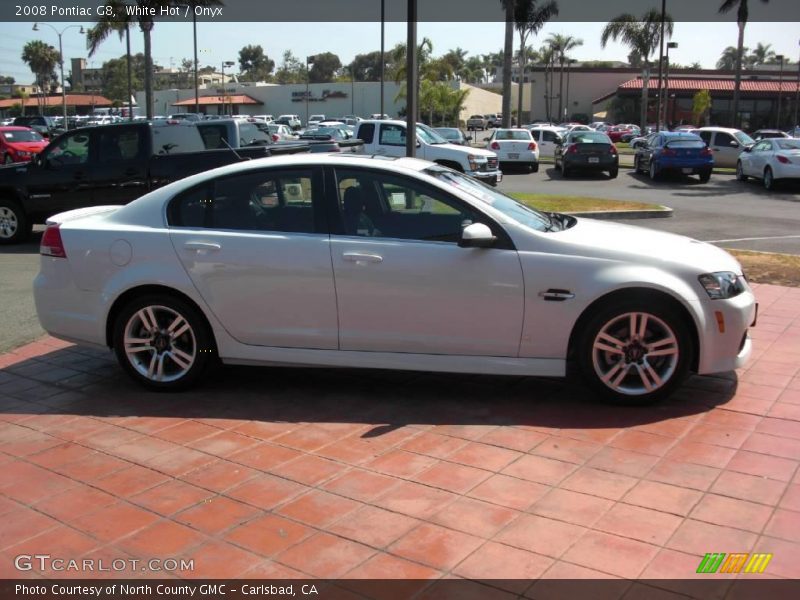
200	246
358	257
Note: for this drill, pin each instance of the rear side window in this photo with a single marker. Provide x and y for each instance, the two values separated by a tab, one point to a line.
214	136
119	143
705	136
548	136
367	132
723	139
393	135
174	139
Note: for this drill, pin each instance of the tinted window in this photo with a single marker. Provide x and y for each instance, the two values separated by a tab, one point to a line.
214	136
589	137
723	139
22	135
507	134
705	136
366	132
266	201
549	136
119	143
386	206
69	150
172	139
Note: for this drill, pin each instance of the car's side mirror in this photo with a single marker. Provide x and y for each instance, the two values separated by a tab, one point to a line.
748	149
477	235
733	144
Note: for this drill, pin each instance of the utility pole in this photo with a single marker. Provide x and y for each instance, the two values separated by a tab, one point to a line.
383	59
411	79
660	61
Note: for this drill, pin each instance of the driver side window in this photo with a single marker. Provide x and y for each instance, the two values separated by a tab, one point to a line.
69	150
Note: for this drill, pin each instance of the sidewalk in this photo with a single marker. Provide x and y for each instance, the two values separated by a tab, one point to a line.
280	473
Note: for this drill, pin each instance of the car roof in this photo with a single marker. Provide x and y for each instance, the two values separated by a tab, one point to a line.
725	129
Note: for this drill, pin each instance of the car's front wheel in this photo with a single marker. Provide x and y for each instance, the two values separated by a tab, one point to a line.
769	180
15	226
653	170
163	342
635	352
740	172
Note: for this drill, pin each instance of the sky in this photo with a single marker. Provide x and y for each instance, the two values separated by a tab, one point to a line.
221	41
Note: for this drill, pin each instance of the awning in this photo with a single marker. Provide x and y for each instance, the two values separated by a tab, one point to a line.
219	100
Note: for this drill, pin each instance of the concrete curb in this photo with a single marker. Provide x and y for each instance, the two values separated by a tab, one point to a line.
664	213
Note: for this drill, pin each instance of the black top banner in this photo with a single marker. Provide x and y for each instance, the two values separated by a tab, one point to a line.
270	11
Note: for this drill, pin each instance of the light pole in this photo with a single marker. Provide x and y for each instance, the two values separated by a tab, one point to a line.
309	61
352	90
779	58
61	63
670	45
383	60
570	62
225	63
796	123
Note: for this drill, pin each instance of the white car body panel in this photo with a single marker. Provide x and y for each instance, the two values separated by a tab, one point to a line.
755	162
513	150
423	306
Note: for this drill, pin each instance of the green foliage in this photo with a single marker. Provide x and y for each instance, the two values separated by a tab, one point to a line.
254	65
114	77
701	103
367	67
42	60
324	67
6	80
291	69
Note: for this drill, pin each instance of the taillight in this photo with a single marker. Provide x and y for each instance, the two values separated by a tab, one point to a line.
51	243
495	146
706	151
668	152
275	137
573	149
782	159
613	149
532	146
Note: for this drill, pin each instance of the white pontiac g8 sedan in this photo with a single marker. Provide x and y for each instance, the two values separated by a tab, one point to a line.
344	261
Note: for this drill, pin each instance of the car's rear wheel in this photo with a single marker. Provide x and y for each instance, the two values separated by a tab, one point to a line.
163	342
564	170
653	170
705	176
636	167
740	172
534	167
15	226
635	352
769	180
613	173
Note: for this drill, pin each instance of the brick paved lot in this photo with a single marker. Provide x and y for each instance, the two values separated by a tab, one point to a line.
360	474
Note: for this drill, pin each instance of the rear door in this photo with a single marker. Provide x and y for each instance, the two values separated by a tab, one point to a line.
257	249
547	142
119	174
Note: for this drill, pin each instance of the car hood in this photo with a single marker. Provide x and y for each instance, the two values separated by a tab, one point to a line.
615	241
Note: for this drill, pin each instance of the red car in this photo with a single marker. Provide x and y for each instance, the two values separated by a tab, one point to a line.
615	133
19	144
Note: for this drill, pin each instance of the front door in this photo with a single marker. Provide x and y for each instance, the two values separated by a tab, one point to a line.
726	149
402	282
119	174
257	249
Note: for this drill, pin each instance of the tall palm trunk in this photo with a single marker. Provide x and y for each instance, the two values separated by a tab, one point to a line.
521	87
147	27
508	50
737	82
547	91
561	87
645	94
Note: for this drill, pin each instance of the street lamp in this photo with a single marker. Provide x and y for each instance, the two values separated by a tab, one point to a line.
796	123
225	63
660	64
570	62
670	45
61	63
779	58
309	61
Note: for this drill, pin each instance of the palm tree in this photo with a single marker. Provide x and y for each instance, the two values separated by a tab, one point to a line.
729	56
742	14
762	54
42	60
118	21
642	35
562	44
508	55
547	57
530	19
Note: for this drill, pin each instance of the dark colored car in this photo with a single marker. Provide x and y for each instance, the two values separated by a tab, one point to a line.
633	132
453	135
44	126
586	151
675	151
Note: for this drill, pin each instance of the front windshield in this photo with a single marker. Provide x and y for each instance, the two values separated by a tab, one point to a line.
497	200
744	139
428	135
22	135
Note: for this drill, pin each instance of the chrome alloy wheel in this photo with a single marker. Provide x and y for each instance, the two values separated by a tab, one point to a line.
160	344
8	222
635	353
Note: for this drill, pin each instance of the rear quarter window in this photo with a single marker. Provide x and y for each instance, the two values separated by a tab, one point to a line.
174	139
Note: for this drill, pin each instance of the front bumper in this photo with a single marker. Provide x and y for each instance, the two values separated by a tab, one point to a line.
493	176
726	350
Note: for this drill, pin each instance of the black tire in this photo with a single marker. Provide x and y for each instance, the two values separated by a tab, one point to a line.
705	176
740	176
535	167
564	171
613	173
636	168
671	370
198	337
653	171
15	225
769	181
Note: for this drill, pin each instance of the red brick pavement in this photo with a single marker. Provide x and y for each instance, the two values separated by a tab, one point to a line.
357	474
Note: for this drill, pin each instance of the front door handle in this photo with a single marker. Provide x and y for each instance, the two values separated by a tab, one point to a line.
200	246
358	257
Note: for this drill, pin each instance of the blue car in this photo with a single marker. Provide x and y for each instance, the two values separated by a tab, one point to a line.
674	151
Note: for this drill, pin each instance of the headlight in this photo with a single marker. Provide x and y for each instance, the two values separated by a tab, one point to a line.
722	285
473	162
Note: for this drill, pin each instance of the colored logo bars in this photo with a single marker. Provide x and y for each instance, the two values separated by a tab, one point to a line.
719	562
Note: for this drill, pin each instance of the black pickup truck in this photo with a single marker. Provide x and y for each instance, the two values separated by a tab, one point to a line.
107	164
